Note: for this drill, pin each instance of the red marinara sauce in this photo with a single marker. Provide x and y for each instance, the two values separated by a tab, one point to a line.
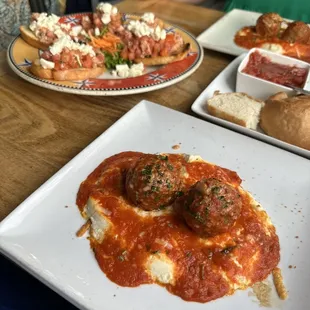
262	67
198	263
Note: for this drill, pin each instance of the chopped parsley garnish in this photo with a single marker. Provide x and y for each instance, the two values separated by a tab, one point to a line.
199	218
168	184
155	252
122	256
179	193
157	198
154	189
147	170
170	167
188	254
111	60
103	31
215	189
120	46
162	207
163	157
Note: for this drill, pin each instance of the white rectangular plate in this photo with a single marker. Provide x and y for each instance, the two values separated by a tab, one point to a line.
220	36
225	82
40	234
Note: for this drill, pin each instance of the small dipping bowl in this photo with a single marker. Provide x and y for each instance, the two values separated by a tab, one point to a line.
260	88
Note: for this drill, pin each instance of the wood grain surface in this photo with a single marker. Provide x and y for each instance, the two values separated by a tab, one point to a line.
41	130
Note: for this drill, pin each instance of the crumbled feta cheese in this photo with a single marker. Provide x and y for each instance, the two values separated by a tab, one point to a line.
47	64
107	10
66	41
163	34
124	71
159	34
45	21
136	69
76	30
148	18
114	10
97	32
106	18
104	7
51	22
141	29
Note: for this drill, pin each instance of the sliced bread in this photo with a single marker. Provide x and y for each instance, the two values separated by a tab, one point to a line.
238	108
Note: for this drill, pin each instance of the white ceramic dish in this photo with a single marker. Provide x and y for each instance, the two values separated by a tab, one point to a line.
225	82
260	88
220	36
40	234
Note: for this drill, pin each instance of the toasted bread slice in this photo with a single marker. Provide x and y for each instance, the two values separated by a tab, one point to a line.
31	38
238	108
64	75
164	60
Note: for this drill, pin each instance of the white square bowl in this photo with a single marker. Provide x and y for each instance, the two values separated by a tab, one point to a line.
260	88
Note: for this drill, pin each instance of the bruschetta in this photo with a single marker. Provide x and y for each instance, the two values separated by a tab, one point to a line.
68	60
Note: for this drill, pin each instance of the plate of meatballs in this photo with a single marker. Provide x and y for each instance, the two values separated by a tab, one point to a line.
239	31
133	222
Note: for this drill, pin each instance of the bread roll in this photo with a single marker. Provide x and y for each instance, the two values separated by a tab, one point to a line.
287	119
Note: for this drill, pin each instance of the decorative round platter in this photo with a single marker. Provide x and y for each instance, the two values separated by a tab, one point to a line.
20	56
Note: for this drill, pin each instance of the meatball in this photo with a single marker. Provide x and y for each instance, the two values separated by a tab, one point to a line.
153	182
210	207
298	32
269	24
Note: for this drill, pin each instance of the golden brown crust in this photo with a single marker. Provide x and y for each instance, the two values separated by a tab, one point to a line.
288	119
77	74
215	112
278	282
164	60
31	39
65	75
38	71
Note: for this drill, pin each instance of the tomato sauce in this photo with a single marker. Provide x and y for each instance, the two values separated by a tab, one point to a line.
198	263
250	39
262	67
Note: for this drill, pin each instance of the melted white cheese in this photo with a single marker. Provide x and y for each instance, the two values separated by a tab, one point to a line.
100	223
161	269
273	47
47	64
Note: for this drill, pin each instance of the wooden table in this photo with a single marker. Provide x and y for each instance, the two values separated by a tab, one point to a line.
41	130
